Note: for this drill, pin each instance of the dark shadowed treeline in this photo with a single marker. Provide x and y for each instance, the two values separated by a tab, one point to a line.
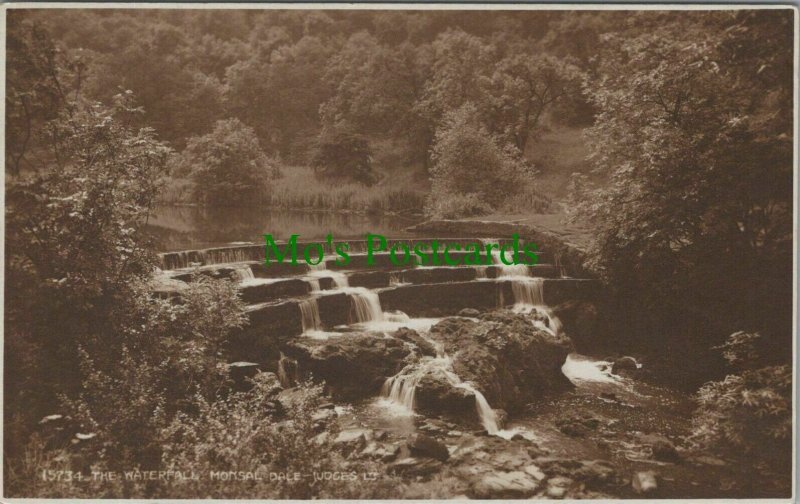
358	96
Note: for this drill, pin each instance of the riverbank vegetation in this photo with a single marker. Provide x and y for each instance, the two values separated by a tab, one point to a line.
687	190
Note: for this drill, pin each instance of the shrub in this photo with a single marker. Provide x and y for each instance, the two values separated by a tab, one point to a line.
228	166
245	433
470	162
344	155
453	206
171	356
749	412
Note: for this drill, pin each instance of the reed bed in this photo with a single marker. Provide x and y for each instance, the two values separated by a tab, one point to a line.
299	189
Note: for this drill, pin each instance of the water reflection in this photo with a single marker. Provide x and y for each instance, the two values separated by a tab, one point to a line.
177	228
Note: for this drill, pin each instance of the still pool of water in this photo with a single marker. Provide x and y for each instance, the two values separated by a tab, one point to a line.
180	228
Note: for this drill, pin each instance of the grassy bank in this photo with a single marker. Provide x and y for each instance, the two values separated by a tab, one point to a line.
299	189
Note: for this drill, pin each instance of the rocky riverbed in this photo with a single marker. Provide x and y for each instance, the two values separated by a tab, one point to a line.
560	425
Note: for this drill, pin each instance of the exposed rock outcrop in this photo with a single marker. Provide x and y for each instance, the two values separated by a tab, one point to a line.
424	347
435	394
504	356
353	365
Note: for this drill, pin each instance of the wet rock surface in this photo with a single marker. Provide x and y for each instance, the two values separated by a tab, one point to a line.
504	356
435	394
631	445
353	365
423	346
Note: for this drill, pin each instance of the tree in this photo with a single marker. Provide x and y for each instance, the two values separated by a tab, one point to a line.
522	88
691	193
375	87
228	166
344	155
471	165
280	92
75	248
35	89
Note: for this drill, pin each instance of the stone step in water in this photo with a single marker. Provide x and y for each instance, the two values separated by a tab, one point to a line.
285	319
269	289
380	261
256	251
262	289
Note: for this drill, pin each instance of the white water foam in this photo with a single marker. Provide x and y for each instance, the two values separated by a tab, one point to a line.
578	368
249	282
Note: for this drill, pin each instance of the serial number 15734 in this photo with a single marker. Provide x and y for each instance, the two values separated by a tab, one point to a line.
60	475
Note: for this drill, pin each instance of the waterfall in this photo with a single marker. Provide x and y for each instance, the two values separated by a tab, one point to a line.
480	272
528	291
485	412
318	267
367	304
287	371
529	297
401	388
513	270
339	279
243	274
314	283
309	310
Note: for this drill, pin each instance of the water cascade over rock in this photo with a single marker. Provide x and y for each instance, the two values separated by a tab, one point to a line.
366	304
502	359
505	356
287	371
309	309
243	274
401	389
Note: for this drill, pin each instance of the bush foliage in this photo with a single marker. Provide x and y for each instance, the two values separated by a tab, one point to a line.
748	412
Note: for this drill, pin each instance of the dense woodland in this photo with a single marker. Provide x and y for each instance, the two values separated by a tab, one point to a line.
686	118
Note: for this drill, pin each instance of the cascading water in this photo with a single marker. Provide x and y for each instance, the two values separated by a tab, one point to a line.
309	309
506	270
339	279
485	412
243	274
287	371
318	267
367	304
529	291
401	389
528	297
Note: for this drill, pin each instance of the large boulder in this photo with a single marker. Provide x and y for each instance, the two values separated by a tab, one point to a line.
423	346
435	394
353	365
505	357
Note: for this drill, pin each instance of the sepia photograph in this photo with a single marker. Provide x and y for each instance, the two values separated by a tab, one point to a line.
399	251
